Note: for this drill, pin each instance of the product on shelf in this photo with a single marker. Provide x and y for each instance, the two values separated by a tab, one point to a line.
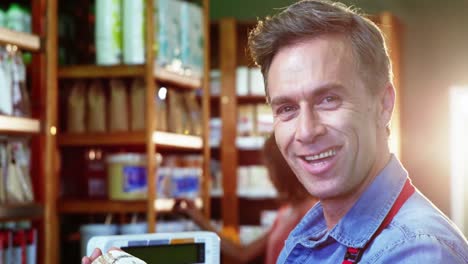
16	186
118	109
256	84
133	13
242	81
264	120
96	107
254	182
14	98
168	34
108	32
2	18
138	105
76	104
95	172
18	243
126	173
191	38
246	120
18	18
184	113
161	110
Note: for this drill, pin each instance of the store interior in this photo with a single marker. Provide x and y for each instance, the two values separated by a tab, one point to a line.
99	98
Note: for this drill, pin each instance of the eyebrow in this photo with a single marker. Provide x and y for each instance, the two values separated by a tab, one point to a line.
315	93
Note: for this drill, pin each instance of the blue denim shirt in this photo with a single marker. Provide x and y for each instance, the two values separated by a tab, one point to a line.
419	232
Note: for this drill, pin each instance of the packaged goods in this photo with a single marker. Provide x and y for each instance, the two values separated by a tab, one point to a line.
194	114
133	32
2	18
20	96
192	38
108	32
76	108
6	99
127	176
169	27
137	101
96	107
118	109
161	110
15	18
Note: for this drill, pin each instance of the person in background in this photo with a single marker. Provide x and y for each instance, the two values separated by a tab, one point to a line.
295	202
328	80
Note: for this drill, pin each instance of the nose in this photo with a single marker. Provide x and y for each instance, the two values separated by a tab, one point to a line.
309	126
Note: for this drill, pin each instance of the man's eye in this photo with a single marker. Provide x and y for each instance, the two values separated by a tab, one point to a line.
330	99
329	102
285	109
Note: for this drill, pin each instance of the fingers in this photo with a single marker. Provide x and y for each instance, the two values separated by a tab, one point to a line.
88	260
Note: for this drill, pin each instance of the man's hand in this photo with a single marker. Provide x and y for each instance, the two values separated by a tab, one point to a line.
96	254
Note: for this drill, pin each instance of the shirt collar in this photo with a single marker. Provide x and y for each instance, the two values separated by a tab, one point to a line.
371	208
365	217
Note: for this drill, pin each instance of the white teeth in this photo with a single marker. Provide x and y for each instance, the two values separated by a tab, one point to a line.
322	155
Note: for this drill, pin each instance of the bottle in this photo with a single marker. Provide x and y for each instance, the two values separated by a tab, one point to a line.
108	32
133	32
15	18
2	18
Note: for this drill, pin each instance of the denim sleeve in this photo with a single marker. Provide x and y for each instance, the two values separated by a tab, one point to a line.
422	249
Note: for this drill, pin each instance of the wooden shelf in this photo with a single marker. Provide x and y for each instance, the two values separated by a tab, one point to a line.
161	75
95	71
21	211
161	139
101	206
101	139
181	81
177	141
18	125
108	206
22	40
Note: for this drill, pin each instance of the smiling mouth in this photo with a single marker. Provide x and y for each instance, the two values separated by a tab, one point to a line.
320	156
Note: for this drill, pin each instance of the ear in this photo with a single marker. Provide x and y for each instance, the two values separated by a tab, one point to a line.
387	104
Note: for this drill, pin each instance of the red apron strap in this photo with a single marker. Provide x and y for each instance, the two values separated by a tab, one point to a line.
353	255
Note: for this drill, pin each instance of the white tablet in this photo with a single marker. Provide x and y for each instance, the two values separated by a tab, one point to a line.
167	248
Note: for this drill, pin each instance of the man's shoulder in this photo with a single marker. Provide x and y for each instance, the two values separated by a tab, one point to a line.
420	231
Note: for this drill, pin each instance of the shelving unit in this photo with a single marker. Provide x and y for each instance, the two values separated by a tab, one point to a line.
38	128
22	211
19	125
160	74
231	53
161	139
23	41
149	140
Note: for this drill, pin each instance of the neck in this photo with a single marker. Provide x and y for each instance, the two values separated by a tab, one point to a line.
336	208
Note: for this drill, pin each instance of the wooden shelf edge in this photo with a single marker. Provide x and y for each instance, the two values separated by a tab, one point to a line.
96	71
161	139
104	139
181	81
178	141
19	125
108	206
21	211
22	40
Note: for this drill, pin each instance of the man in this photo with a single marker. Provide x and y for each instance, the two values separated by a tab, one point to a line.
329	82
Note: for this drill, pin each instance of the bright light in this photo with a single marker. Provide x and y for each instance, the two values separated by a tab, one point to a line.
162	93
459	155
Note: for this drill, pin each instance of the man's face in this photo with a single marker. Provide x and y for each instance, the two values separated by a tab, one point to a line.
325	117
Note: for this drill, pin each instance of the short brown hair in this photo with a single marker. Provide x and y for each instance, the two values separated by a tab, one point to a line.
311	18
289	188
